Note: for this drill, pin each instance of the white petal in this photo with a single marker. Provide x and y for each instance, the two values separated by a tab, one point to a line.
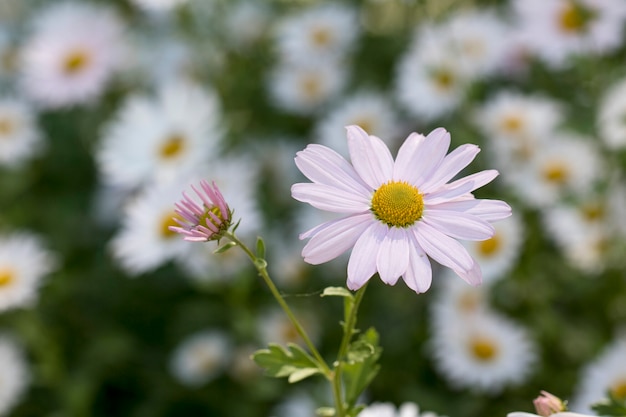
459	225
419	274
323	165
362	263
393	256
416	162
448	193
329	198
521	414
370	157
477	180
488	210
335	238
442	248
451	165
405	167
472	276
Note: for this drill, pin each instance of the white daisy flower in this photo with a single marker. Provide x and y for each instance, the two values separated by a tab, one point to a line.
566	165
303	89
483	352
611	116
20	138
373	112
479	41
247	22
497	255
389	410
161	138
24	263
275	327
322	32
555	30
159	6
582	230
8	57
144	241
15	375
516	124
456	301
71	54
605	373
430	82
396	213
201	357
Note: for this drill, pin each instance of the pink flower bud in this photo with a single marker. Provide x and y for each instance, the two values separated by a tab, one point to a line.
547	404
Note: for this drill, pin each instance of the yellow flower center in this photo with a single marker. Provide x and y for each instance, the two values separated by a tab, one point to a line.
398	204
483	349
206	218
490	247
311	86
619	389
469	301
512	124
166	221
75	62
172	146
556	172
575	18
593	212
6	277
443	79
6	126
321	36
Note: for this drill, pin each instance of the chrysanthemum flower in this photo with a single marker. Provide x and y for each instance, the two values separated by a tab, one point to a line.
201	223
15	375
397	212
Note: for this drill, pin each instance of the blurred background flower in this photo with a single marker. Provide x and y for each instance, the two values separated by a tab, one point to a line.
109	109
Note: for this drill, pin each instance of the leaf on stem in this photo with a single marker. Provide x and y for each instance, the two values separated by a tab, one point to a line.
361	365
293	362
260	248
225	247
611	406
336	292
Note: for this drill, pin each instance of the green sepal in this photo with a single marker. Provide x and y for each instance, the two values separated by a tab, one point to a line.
293	362
260	247
361	365
336	292
225	247
611	406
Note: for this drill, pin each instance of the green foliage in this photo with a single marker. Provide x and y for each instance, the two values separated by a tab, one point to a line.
611	406
293	363
361	365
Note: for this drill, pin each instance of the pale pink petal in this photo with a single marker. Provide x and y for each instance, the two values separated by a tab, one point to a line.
458	225
370	157
335	238
488	210
451	165
477	180
443	249
446	193
325	166
405	166
415	163
362	263
329	198
419	274
472	276
393	256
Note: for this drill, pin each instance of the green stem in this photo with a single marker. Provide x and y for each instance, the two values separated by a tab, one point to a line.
348	332
261	267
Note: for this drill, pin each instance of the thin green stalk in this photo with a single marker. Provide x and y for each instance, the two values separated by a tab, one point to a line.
348	332
261	267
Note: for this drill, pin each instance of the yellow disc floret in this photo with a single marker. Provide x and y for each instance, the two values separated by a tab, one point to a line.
398	204
483	350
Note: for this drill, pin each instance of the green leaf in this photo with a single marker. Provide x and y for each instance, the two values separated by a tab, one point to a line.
361	365
260	247
336	292
293	363
225	247
610	406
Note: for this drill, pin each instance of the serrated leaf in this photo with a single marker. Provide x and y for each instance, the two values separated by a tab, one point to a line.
336	292
358	374
225	247
293	362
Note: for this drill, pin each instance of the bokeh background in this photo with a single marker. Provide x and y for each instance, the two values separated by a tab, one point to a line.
110	109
